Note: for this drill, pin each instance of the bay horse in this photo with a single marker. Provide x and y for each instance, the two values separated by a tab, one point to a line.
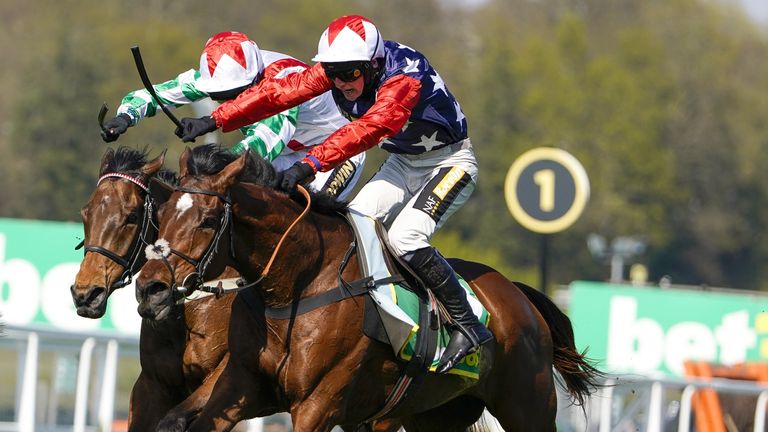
184	349
319	365
180	356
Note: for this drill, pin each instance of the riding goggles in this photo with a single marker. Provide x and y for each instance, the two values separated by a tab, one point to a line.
343	71
226	95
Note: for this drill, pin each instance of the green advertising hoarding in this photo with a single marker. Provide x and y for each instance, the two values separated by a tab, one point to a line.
38	264
653	330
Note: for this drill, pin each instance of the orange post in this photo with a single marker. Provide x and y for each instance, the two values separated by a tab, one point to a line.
706	404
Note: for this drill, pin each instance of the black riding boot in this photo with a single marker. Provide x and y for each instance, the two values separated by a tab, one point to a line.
468	333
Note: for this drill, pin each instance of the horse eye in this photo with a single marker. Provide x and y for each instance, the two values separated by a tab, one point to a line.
210	222
133	218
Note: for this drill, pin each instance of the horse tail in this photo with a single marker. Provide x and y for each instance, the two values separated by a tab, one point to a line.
578	375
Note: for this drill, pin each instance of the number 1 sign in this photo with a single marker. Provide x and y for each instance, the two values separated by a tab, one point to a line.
546	190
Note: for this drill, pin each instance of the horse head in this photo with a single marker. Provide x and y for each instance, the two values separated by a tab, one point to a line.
194	226
118	220
226	211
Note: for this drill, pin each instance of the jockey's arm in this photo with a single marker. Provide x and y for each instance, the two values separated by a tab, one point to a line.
269	137
395	100
271	96
173	93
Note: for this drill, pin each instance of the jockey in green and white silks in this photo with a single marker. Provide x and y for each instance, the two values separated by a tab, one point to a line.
230	64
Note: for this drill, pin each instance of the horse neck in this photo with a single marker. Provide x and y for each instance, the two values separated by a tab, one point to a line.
309	257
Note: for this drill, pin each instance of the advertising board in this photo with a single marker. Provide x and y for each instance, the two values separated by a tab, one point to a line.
38	264
652	330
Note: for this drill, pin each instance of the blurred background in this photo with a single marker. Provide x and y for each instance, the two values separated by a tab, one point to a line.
664	103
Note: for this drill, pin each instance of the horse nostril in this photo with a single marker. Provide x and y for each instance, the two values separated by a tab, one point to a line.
156	287
77	297
150	289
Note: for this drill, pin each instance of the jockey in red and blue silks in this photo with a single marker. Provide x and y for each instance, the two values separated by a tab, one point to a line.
396	100
231	63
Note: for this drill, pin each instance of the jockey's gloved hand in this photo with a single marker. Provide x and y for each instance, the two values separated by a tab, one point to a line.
295	174
192	128
115	127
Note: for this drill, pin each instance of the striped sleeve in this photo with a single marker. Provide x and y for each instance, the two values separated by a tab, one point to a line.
269	137
174	93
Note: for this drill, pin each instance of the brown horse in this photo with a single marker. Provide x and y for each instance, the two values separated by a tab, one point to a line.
180	356
319	365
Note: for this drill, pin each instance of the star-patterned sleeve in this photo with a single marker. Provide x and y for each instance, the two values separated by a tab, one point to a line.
174	93
394	101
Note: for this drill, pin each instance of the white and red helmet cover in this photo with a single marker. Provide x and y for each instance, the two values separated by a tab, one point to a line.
230	60
349	38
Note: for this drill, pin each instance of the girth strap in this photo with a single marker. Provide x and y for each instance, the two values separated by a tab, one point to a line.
344	290
350	289
417	367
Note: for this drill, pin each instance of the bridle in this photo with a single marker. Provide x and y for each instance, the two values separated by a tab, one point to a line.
128	263
162	250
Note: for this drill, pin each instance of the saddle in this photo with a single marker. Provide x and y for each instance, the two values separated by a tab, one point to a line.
399	310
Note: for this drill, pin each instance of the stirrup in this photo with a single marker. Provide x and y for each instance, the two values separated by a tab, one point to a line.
462	344
458	347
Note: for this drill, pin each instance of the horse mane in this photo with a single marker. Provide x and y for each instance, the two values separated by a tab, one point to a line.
126	160
167	176
130	161
209	159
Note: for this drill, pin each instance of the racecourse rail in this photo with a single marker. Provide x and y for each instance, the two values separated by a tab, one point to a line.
92	414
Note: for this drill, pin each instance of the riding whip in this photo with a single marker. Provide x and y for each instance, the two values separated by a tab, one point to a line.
148	84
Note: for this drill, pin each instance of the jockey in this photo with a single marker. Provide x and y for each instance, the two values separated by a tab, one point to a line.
396	100
231	63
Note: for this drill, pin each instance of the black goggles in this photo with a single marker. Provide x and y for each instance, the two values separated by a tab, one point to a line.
226	95
346	74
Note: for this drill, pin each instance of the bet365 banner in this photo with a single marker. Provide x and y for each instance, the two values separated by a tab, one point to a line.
38	264
647	329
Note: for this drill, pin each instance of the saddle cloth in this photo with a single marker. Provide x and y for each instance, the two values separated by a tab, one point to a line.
398	306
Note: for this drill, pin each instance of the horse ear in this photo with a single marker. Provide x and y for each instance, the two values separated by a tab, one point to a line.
106	160
231	172
183	160
154	165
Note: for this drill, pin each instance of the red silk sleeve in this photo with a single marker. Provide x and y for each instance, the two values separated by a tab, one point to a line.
271	96
394	101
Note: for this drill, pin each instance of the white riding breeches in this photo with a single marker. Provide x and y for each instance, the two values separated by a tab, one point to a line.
413	195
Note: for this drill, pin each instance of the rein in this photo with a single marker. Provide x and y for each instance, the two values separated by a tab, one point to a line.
128	263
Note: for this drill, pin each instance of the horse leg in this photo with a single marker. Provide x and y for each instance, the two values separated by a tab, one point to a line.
532	405
237	395
182	414
311	420
149	402
455	415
